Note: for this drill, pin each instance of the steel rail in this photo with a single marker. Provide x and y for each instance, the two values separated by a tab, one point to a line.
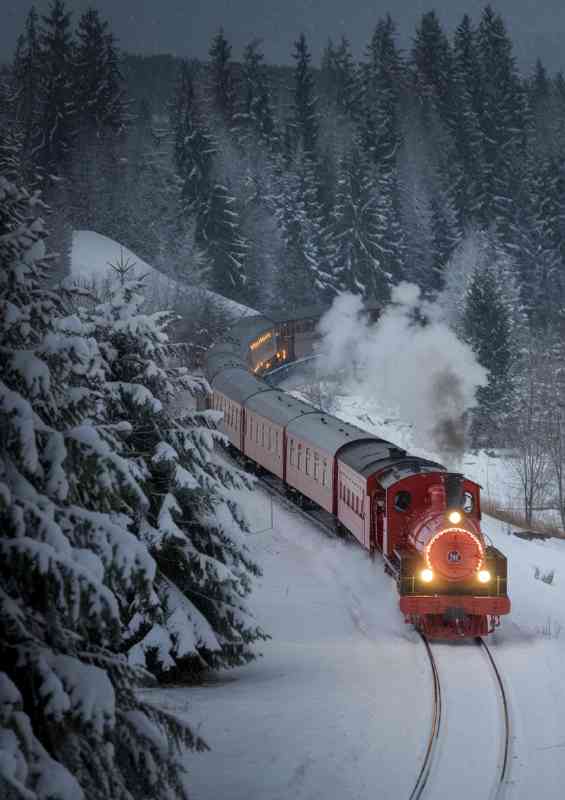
505	765
433	738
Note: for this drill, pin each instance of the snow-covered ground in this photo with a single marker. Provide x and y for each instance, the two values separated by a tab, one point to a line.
339	705
91	260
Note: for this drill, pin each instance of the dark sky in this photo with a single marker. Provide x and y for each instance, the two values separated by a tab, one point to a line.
185	27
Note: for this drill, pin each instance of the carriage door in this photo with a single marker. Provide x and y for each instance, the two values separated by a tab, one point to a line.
378	521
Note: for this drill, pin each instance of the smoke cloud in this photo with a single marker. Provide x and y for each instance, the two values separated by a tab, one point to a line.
410	362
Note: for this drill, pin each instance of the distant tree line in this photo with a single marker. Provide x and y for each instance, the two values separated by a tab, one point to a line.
279	185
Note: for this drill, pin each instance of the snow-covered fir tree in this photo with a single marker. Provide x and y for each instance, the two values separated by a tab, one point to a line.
486	326
197	618
71	724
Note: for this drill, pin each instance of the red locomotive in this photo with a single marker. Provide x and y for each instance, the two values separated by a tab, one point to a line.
424	520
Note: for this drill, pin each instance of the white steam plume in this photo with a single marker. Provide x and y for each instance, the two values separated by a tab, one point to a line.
410	362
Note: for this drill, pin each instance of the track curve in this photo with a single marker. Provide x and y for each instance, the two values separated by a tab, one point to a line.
505	761
433	739
462	694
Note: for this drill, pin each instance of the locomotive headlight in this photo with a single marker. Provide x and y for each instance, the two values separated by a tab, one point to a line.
454	517
427	575
484	576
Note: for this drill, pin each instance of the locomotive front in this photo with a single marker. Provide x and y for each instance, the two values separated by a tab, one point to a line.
452	583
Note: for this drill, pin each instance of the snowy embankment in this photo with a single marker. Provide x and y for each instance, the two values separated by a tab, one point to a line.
337	705
91	260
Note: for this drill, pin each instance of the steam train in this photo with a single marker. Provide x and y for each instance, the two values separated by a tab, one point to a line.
424	520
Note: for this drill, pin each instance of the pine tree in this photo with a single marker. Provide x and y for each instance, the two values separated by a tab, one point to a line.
58	112
339	79
468	196
97	91
486	327
255	119
304	123
219	235
71	723
359	256
193	147
222	93
432	58
502	124
382	80
27	72
198	618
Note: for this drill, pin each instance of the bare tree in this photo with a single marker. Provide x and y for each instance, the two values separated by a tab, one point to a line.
528	429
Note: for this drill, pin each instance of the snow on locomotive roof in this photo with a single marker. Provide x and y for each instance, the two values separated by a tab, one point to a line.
364	456
238	384
278	406
326	432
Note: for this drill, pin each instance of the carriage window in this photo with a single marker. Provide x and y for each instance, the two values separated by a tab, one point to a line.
468	502
263	434
316	466
325	473
348	500
257	432
269	439
292	452
277	441
402	501
307	468
299	465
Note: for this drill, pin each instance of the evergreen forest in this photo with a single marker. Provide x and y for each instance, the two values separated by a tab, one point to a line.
123	559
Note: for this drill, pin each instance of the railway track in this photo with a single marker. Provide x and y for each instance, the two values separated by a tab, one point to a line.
433	738
505	759
436	741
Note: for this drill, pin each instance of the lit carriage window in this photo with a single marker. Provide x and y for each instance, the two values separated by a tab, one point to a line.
325	473
292	452
468	502
402	501
299	459
316	466
307	468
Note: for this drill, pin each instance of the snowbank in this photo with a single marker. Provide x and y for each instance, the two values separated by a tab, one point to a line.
93	253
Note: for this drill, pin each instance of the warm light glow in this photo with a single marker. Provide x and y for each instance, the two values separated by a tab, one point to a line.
427	575
484	576
261	340
449	530
454	517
